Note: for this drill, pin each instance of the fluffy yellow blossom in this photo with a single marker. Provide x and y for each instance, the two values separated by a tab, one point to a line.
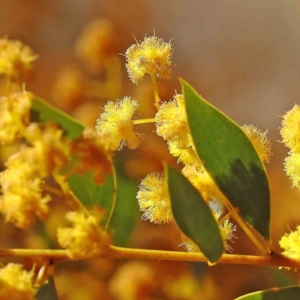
189	244
291	244
21	199
152	56
227	230
117	123
14	116
86	237
171	122
154	200
15	59
51	148
202	181
16	283
290	130
183	151
292	168
260	142
96	42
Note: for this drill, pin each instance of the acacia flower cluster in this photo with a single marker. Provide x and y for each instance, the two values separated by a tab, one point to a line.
260	142
15	59
14	112
290	242
152	56
290	132
85	237
154	200
22	198
171	124
16	283
117	123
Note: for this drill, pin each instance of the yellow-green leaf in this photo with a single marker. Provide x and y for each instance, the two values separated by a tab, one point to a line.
286	293
42	112
193	216
231	160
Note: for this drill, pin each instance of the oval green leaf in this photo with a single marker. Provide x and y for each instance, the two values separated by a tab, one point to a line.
231	160
288	293
193	216
42	112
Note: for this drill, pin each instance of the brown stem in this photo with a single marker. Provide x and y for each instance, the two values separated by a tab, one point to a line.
273	259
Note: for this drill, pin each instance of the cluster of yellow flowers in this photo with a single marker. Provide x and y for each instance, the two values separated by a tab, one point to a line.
15	59
21	182
153	56
44	152
290	132
85	238
16	283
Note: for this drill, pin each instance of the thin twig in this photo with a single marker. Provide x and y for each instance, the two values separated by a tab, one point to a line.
273	259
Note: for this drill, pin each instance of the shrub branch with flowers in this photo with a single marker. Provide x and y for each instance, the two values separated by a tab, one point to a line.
222	176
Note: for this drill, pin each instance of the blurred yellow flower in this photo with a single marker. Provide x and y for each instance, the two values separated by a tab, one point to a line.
52	149
291	244
154	200
116	121
16	283
171	121
21	199
85	238
96	43
15	59
292	168
152	56
260	142
290	130
14	116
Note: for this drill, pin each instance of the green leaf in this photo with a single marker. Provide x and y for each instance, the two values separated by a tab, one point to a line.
288	293
42	112
124	215
231	160
91	193
47	291
193	216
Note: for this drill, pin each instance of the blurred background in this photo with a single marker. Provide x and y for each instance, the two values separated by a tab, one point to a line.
241	56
